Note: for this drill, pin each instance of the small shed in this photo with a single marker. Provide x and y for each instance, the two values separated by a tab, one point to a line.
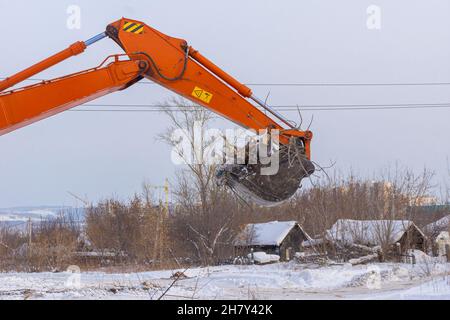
401	235
283	238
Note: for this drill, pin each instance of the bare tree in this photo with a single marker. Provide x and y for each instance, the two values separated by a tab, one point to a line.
205	215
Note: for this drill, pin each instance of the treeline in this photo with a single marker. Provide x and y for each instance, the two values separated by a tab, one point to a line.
200	224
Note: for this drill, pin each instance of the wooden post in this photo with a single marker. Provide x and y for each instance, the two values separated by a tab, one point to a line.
447	251
380	255
164	219
30	233
288	254
399	251
156	244
161	234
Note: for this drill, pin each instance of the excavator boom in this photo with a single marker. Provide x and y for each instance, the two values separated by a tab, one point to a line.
173	64
25	106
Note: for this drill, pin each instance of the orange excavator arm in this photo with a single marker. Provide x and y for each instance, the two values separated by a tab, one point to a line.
27	105
167	61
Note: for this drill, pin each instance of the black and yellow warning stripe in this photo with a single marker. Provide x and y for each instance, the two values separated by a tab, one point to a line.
133	27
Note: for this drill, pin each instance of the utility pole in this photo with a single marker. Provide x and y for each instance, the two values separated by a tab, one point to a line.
167	193
161	233
30	233
164	218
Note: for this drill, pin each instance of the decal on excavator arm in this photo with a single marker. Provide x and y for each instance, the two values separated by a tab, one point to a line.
133	27
202	95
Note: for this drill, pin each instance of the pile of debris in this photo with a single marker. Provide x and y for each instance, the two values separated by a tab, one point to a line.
312	258
361	241
336	252
359	254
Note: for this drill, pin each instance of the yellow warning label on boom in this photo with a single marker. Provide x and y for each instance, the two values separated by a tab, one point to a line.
133	27
202	95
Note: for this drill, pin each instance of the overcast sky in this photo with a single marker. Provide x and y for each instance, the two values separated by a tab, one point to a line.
96	155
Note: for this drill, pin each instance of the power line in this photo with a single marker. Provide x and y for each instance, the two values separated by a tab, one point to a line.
349	84
155	108
285	108
336	84
317	84
276	106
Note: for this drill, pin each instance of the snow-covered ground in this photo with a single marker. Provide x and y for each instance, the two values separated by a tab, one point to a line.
277	281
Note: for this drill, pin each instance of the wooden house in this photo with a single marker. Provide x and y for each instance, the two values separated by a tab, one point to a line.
282	238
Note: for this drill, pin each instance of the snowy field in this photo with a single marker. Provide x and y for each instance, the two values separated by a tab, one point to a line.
276	281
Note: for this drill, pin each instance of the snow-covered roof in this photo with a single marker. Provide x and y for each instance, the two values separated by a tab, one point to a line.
369	232
266	234
440	225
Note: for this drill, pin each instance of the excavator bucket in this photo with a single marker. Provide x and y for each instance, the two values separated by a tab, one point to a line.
250	182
